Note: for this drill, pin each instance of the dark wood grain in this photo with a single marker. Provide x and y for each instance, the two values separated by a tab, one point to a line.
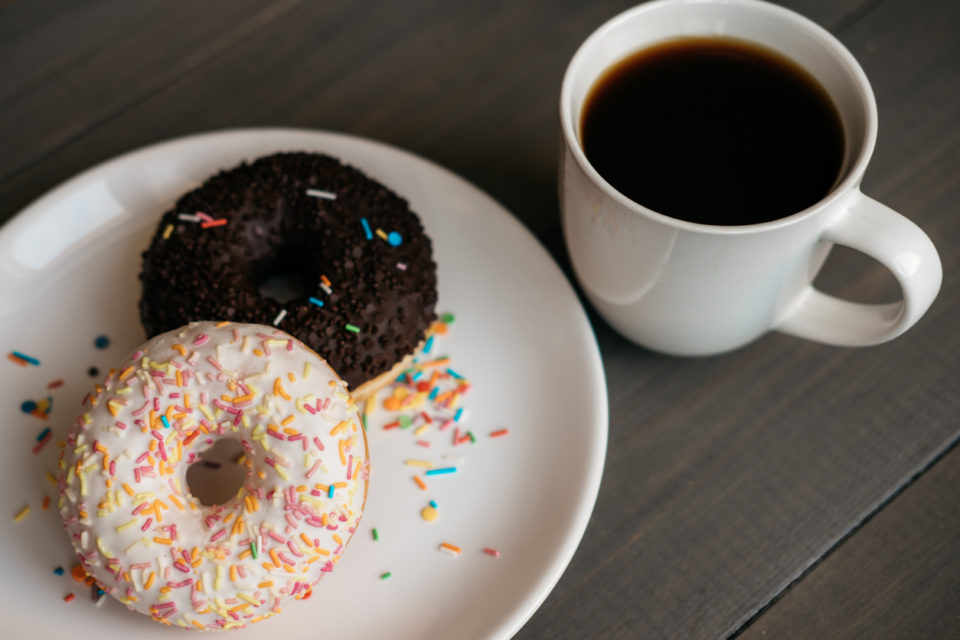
727	478
896	577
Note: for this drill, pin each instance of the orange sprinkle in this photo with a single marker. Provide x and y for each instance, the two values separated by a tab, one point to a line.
237	526
439	362
290	418
179	378
69	597
420	483
190	438
265	585
233	572
306	539
176	503
78	573
251	503
149	581
291	377
223	324
162	540
198	625
343	456
245	398
278	389
450	547
126	372
258	353
274	557
392	403
246	553
340	427
179	348
46	502
322	552
290	431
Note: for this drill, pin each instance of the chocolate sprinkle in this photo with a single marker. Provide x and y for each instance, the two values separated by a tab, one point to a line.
273	227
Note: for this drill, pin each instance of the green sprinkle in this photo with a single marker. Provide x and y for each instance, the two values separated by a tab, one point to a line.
447	318
253	549
405	421
376	536
472	439
352	328
384	576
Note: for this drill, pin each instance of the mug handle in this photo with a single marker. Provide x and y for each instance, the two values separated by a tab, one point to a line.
895	242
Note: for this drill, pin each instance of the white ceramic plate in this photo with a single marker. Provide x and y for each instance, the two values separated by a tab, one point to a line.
68	273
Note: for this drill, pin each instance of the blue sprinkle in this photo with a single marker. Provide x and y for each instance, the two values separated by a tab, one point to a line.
433	503
456	416
58	571
394	239
101	342
455	374
24	356
43	434
319	303
330	491
434	393
440	471
366	228
166	423
417	375
429	345
28	406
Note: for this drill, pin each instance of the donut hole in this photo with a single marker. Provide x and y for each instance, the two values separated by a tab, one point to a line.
217	476
282	284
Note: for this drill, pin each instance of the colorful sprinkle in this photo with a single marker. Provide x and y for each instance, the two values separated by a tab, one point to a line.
420	483
394	239
366	228
101	342
450	548
219	222
440	471
25	358
352	328
498	433
385	575
491	552
433	503
20	515
167	231
428	345
320	193
280	317
315	301
54	384
402	266
69	597
376	536
166	423
59	571
447	318
429	514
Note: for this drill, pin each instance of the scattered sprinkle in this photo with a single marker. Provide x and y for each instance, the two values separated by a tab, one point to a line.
20	515
447	318
23	358
450	548
320	193
219	222
498	433
166	423
69	597
315	301
54	384
280	317
167	231
420	483
352	328
366	228
429	513
385	575
330	491
394	239
46	503
418	463
433	503
401	266
59	571
376	536
440	471
101	342
43	434
458	415
491	552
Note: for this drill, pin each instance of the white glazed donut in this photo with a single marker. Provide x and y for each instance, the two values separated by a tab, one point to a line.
124	497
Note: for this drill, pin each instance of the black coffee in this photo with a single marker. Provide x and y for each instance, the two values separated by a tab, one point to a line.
713	130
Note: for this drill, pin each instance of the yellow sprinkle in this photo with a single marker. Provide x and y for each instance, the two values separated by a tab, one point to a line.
418	463
221	325
382	233
250	599
52	479
127	524
283	474
419	430
218	582
306	370
21	514
167	231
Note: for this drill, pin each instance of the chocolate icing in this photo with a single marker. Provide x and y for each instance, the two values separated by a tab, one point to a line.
273	226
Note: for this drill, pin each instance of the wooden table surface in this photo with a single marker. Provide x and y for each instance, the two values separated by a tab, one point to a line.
788	489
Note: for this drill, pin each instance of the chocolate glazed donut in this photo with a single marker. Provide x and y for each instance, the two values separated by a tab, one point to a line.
355	260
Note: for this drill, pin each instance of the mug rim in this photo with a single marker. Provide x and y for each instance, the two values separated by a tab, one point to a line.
849	182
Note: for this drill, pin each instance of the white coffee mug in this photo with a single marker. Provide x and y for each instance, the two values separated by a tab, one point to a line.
694	289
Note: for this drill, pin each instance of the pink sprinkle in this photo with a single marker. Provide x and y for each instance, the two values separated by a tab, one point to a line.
120	425
349	466
177	585
165	605
156	434
291	521
181	566
141	409
278	436
214	362
293	549
317	442
276	536
113	468
310	409
285	558
143	456
314	521
136	474
218	535
146	525
142	506
289	345
201	339
491	552
446	424
156	404
401	266
241	571
423	443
